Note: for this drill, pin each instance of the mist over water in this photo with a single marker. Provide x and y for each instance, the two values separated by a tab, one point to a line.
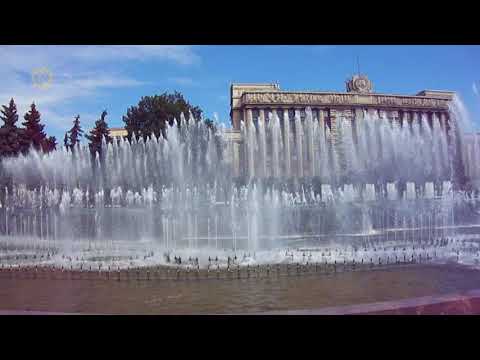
373	181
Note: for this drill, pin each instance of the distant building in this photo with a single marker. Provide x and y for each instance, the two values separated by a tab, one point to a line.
118	133
254	104
471	158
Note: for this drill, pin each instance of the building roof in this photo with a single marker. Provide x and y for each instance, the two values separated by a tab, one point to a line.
256	84
444	94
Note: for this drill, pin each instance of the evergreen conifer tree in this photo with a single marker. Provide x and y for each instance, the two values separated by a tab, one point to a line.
9	114
51	144
34	130
75	132
12	139
99	132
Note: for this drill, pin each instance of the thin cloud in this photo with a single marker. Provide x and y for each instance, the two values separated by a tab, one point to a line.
62	89
79	72
107	81
26	57
475	89
180	54
184	81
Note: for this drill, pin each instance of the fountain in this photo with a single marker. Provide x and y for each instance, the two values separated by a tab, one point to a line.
375	184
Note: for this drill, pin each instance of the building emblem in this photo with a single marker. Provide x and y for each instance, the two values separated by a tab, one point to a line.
359	84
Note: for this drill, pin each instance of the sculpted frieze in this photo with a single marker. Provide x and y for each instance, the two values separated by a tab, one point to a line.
340	99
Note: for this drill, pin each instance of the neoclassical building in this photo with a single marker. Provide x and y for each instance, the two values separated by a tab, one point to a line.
255	105
118	133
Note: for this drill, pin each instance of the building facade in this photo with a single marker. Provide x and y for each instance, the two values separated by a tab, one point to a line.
118	133
254	106
471	159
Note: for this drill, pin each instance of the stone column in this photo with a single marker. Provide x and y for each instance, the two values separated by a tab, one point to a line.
321	118
263	143
250	144
444	123
394	116
286	144
372	113
311	146
349	135
274	112
405	118
359	136
416	119
441	120
336	156
322	148
468	160
299	143
261	115
236	114
276	148
249	121
235	158
444	142
350	117
382	114
436	126
358	114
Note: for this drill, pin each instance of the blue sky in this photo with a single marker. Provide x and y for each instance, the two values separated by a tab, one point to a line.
88	79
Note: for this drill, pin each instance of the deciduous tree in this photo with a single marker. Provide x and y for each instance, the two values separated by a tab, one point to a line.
153	113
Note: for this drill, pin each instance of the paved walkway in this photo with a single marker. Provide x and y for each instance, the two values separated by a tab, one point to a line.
30	312
466	303
457	303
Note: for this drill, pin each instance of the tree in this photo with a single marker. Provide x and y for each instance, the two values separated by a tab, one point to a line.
211	124
9	114
12	139
152	114
65	141
34	130
75	132
97	134
50	144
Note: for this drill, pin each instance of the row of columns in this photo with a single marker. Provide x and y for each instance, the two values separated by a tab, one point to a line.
472	158
323	114
327	116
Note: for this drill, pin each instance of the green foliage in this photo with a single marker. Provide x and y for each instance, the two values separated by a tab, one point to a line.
97	134
34	130
9	114
75	132
152	114
13	140
210	124
50	144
